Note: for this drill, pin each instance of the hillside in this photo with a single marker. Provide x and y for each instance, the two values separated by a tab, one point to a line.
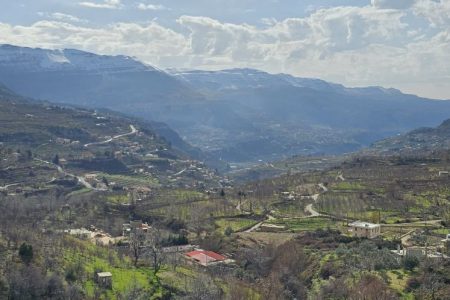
421	140
72	180
85	79
124	150
238	115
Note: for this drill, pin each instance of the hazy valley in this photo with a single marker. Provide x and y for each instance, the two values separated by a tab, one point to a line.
239	115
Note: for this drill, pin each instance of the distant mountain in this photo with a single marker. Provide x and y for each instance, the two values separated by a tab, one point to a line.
76	77
416	141
116	82
238	115
285	115
234	79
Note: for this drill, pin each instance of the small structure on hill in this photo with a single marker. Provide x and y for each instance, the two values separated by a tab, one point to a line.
63	141
364	229
81	233
205	258
136	226
419	253
178	249
104	279
446	246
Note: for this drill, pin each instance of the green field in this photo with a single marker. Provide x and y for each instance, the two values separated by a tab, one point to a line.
307	224
136	180
94	258
236	224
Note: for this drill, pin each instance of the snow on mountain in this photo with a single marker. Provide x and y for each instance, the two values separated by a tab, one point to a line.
35	59
233	79
249	78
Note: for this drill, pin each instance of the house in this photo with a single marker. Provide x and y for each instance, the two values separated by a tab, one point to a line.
178	249
419	253
87	155
136	226
443	173
81	233
364	229
92	176
104	279
205	258
62	141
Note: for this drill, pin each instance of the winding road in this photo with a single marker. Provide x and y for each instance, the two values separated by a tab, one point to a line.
133	131
309	208
80	179
4	188
312	212
269	217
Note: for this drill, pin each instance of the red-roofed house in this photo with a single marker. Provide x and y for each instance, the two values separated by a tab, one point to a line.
205	257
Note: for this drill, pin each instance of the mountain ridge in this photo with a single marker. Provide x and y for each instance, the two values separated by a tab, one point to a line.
237	115
420	140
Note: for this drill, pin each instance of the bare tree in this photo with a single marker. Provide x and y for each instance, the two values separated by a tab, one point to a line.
154	250
137	242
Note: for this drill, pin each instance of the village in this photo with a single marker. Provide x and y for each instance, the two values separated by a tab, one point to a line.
116	205
137	238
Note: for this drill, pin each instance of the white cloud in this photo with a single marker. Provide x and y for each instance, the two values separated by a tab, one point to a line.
143	6
62	17
108	4
436	11
351	45
393	4
150	42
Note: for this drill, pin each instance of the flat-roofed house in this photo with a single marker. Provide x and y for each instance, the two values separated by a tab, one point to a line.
104	279
364	229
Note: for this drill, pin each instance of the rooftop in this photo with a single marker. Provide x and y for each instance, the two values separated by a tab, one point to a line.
205	257
104	274
363	224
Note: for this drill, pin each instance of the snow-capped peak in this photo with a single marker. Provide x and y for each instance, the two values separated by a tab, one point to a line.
36	59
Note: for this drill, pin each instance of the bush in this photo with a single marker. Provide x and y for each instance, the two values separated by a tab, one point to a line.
410	262
412	284
228	231
26	253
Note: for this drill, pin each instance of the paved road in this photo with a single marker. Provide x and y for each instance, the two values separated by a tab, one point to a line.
324	188
311	211
3	188
255	227
80	179
181	172
269	217
133	131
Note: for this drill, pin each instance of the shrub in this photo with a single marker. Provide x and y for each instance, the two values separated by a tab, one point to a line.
228	231
412	284
26	253
410	262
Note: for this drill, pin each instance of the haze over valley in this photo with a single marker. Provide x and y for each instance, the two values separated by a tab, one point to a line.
236	115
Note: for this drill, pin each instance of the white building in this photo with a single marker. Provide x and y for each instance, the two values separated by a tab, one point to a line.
364	229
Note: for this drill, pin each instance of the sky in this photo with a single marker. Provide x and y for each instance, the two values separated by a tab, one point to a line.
403	44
